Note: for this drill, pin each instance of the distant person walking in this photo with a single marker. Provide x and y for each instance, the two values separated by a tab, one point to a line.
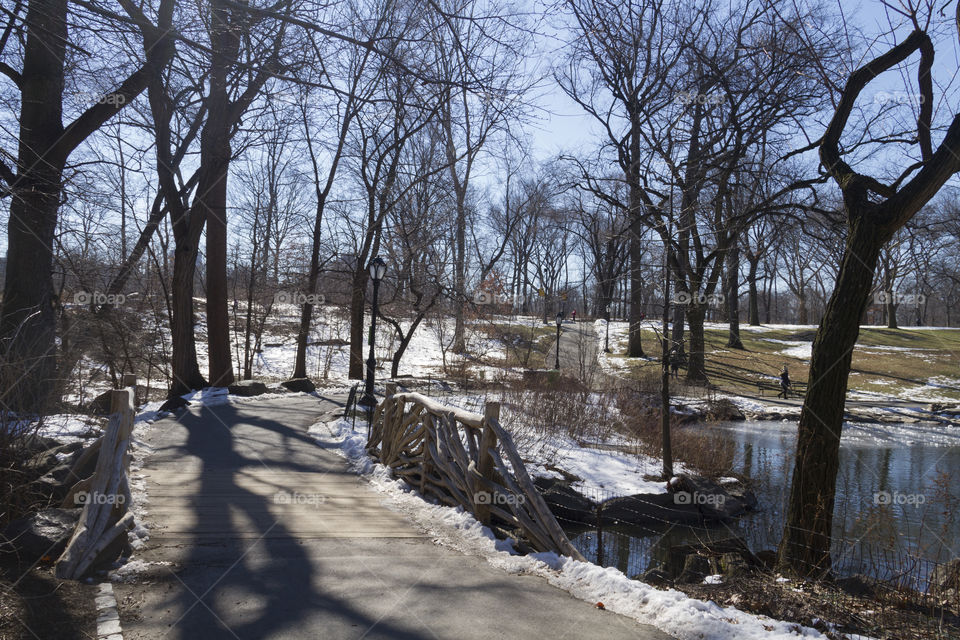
675	356
784	382
574	315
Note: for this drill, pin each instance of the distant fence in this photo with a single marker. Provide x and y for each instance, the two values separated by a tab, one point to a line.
106	493
463	459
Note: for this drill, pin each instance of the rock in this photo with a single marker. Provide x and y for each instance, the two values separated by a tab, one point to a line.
34	444
173	404
712	552
565	502
54	484
723	410
767	559
733	564
303	385
100	406
858	585
41	534
62	454
247	388
695	568
655	576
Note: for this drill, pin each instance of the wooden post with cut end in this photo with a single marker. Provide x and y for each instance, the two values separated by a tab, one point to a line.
105	515
488	440
130	380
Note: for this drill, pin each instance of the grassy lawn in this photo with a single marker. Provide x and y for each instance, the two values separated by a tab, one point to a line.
894	362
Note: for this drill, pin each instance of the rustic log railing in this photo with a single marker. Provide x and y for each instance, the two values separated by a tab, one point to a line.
106	493
463	459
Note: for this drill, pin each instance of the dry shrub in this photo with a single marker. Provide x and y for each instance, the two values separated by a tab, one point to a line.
707	452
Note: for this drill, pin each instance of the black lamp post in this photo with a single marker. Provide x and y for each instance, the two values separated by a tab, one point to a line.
559	322
377	269
606	340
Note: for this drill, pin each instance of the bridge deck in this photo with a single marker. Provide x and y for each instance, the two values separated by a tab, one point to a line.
256	532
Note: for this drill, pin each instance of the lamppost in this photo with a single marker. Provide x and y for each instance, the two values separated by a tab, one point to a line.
377	269
606	340
559	322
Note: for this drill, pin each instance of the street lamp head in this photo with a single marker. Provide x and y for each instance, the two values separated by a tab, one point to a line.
559	319
377	269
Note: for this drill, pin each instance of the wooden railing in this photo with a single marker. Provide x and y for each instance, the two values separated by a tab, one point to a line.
105	495
463	459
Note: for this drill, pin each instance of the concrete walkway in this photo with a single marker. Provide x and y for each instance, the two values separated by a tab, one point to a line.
257	532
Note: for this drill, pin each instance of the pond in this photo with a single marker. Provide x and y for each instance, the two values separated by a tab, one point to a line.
898	500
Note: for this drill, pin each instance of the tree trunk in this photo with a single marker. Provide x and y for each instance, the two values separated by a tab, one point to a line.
28	322
635	343
357	300
753	294
805	547
696	371
186	371
214	199
732	292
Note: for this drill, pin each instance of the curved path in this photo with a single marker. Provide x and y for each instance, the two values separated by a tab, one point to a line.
257	532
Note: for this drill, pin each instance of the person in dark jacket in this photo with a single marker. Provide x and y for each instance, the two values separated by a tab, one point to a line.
784	382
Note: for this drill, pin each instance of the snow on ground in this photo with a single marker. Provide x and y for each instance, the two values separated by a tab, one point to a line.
671	611
603	471
795	348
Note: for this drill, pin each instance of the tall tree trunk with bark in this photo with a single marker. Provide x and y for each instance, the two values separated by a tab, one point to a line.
731	292
805	548
753	295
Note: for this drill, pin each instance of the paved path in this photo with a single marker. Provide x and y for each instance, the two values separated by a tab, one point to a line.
242	563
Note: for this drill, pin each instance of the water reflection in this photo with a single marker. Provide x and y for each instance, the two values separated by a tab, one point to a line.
898	494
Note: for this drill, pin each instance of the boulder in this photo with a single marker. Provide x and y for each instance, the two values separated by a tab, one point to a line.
100	406
172	404
247	388
42	534
714	553
733	564
62	454
303	385
695	568
565	502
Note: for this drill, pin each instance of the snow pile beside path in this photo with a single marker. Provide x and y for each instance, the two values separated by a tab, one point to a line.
671	611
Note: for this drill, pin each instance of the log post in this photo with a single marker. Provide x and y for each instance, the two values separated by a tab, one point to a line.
488	440
130	380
